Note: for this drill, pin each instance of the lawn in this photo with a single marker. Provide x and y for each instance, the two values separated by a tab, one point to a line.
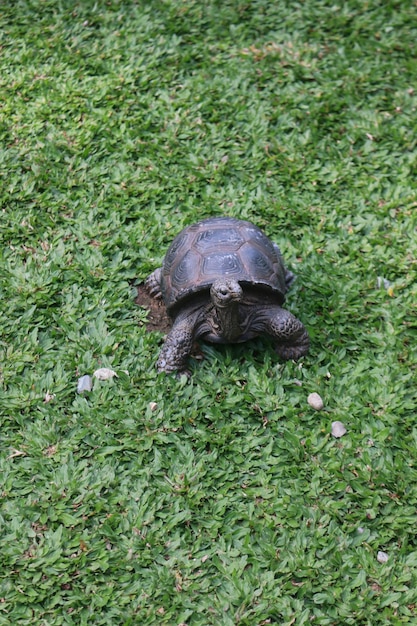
223	500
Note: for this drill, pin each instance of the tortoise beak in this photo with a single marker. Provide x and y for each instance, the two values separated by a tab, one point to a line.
223	292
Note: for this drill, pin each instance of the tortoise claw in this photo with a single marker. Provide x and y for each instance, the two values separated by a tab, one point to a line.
153	284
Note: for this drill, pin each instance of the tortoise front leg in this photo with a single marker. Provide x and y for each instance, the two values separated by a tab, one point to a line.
291	336
177	347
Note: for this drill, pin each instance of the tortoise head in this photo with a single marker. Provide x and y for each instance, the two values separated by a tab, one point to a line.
224	292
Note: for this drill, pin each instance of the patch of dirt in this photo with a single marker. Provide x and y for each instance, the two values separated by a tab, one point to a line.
158	318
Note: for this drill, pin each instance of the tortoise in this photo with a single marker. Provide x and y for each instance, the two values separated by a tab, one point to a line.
224	280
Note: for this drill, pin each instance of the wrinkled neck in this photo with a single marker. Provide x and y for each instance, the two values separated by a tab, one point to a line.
228	318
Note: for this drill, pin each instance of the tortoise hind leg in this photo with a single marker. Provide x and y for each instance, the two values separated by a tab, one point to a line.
153	283
291	336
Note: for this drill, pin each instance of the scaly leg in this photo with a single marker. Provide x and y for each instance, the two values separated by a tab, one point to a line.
153	283
291	336
178	344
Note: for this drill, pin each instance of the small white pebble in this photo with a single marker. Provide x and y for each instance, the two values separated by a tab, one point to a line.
84	384
338	429
382	282
315	401
153	406
382	557
48	397
104	373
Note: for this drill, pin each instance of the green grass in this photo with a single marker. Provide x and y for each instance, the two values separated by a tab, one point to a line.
230	504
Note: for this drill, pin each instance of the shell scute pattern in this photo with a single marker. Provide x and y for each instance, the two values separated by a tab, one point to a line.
220	264
220	247
255	259
180	241
213	239
187	269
